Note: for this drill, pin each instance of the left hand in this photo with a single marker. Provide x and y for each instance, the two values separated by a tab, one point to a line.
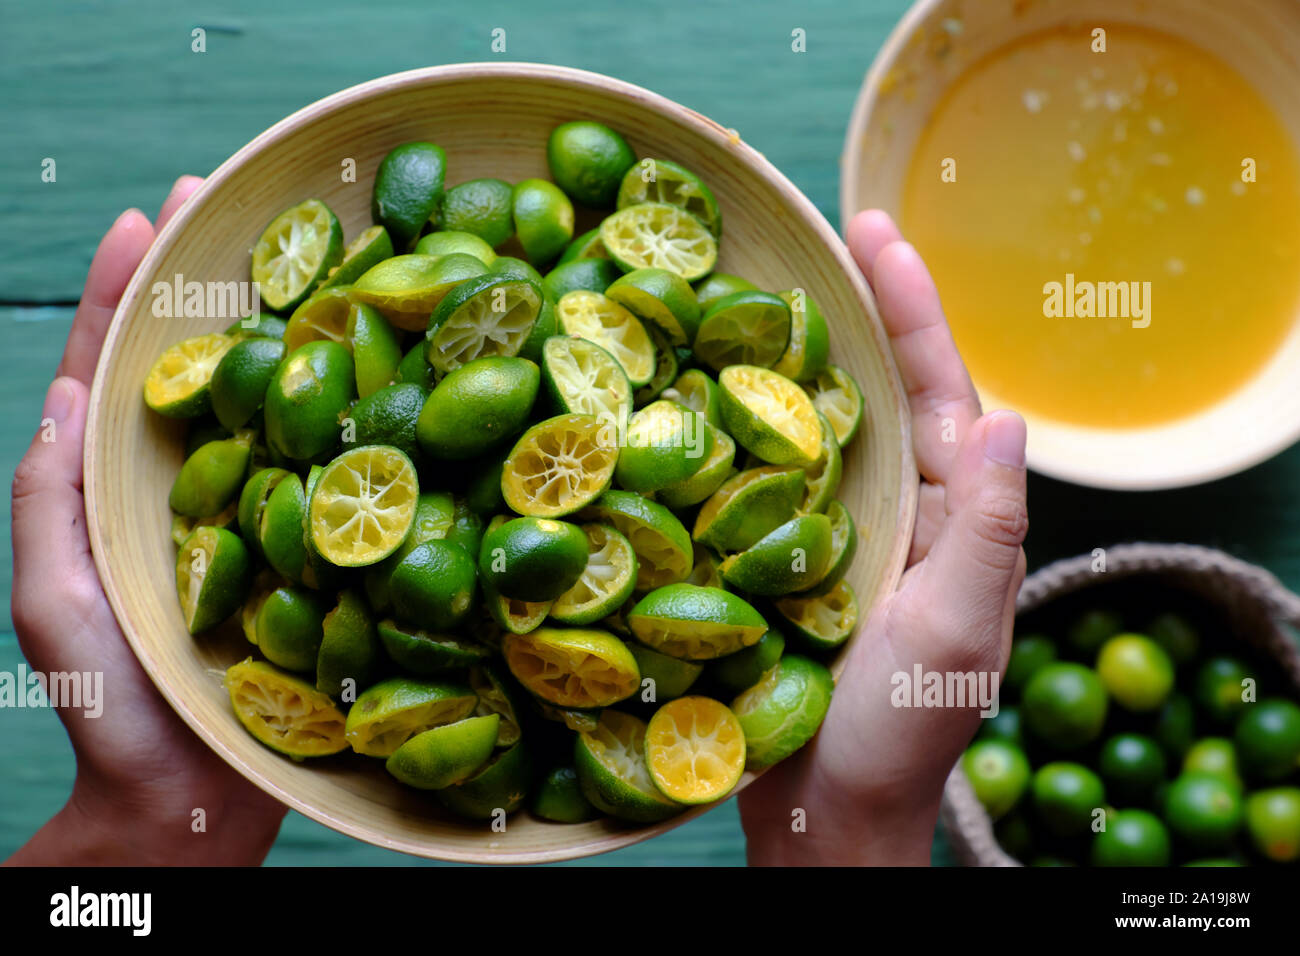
141	772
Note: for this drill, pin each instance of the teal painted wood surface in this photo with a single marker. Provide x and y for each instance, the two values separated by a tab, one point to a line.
114	95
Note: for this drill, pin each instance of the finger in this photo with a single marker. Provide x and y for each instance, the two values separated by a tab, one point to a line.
976	564
51	548
939	392
181	191
930	516
119	252
868	233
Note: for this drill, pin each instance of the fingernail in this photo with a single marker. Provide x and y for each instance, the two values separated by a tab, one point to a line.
1004	439
905	249
58	401
124	219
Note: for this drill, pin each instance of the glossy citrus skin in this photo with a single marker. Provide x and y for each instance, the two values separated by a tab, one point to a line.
306	399
1028	653
588	161
213	576
543	218
1268	739
451	241
783	711
1132	838
490	584
477	406
408	188
1204	810
1066	797
695	623
434	585
1273	821
792	558
1219	689
533	559
593	275
444	755
1132	766
480	207
240	380
1065	704
999	772
390	713
1136	671
500	785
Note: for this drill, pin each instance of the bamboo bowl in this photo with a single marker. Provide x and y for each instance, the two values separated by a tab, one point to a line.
493	120
931	46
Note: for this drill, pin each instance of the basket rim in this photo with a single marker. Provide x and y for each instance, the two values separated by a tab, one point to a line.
1141	557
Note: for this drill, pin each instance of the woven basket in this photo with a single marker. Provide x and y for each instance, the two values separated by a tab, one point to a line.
1259	607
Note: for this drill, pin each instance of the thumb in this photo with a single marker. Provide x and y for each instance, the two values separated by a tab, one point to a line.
976	565
50	544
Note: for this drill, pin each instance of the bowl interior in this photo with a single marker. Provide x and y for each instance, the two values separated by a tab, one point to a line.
492	120
931	46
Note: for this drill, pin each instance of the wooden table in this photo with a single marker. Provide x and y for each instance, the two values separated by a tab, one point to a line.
118	99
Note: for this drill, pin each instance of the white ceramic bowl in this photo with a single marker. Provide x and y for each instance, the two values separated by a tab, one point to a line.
930	47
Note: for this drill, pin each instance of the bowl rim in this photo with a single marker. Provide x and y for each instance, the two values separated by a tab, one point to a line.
708	129
1072	456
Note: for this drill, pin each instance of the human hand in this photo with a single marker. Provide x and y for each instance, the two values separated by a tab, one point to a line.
141	773
871	781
